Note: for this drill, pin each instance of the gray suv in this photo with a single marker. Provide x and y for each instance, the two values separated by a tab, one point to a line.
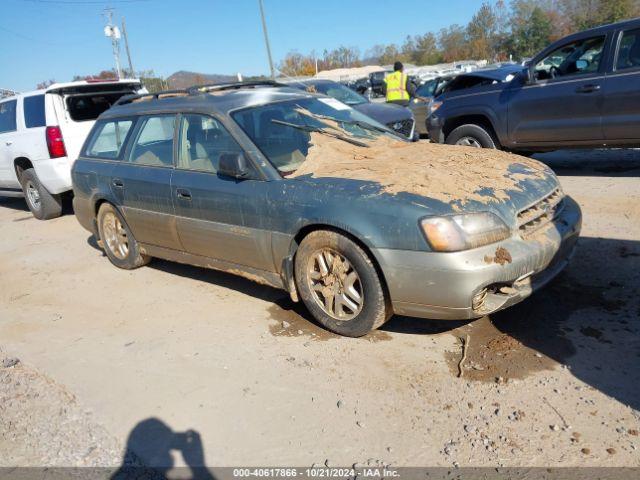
303	193
582	91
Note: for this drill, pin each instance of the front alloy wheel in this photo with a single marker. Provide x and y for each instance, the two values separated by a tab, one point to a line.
339	284
335	284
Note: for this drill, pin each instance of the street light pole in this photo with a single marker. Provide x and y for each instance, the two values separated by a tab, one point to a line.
266	40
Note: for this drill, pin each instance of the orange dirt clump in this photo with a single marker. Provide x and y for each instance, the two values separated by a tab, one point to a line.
451	174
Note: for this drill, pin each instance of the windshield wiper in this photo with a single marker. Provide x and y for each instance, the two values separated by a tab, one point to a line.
309	128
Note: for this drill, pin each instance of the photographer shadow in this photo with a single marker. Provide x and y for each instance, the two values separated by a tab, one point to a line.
149	449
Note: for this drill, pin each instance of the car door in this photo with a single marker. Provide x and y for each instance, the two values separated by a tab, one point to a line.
217	216
564	103
142	182
621	117
8	126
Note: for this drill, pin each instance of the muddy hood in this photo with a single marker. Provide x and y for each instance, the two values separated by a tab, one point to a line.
443	178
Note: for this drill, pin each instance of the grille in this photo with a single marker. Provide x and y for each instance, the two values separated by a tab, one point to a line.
539	214
403	127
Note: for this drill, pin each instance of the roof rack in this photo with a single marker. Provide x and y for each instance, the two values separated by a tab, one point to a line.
216	87
143	97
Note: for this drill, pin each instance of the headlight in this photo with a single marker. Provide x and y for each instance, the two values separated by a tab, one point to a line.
462	232
434	105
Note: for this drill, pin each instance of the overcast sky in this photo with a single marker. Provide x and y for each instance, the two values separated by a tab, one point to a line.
56	39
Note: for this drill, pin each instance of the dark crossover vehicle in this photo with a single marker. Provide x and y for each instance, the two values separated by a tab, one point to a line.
304	193
396	117
581	91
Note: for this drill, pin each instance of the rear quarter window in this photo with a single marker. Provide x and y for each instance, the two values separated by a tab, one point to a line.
34	115
8	116
108	139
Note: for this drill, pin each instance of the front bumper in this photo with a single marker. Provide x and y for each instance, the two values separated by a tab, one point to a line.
434	129
450	285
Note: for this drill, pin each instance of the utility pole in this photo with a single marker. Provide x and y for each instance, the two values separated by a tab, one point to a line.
266	40
126	46
114	33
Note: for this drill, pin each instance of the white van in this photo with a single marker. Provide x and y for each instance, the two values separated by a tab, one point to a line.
41	133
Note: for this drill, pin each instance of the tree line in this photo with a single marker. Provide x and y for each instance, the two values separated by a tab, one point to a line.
496	32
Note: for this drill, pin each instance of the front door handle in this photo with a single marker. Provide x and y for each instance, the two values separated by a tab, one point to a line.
184	194
117	183
8	143
588	88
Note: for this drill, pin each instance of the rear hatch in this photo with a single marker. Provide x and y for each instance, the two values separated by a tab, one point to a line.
78	106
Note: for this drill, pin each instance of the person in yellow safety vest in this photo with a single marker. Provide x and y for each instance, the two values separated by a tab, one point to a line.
397	87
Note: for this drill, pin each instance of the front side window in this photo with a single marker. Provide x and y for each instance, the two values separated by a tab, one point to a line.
202	141
34	115
629	51
8	116
108	139
577	58
154	143
283	130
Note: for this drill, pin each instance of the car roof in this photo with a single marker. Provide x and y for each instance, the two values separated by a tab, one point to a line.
216	101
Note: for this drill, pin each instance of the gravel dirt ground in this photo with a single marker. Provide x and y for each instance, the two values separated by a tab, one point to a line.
145	362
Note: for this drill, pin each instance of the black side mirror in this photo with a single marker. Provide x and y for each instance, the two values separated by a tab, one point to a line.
529	75
233	165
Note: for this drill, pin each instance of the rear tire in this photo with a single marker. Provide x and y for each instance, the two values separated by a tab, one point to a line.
42	204
339	284
118	241
471	135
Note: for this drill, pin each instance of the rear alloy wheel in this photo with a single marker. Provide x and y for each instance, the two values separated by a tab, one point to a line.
43	205
471	135
339	284
118	241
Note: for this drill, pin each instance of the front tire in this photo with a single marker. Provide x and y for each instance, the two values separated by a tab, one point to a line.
339	284
471	135
118	241
42	204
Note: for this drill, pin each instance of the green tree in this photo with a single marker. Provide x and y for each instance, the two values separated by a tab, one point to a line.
531	29
453	43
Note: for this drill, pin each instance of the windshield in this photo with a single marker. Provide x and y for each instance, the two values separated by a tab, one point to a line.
339	92
283	130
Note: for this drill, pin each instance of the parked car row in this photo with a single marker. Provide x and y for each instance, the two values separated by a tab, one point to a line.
309	193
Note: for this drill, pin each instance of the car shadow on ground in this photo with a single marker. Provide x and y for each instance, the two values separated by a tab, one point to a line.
593	163
149	453
587	320
18	204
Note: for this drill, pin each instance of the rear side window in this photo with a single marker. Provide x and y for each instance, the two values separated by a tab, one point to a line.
34	111
629	51
8	116
108	139
154	143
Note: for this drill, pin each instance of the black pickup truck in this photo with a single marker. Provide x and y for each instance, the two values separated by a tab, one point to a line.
581	91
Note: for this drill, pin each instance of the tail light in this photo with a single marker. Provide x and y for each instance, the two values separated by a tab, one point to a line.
55	142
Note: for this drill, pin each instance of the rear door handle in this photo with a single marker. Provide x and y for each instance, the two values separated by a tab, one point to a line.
184	194
588	89
117	183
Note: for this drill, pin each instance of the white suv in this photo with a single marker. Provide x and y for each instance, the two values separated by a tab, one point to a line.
41	134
